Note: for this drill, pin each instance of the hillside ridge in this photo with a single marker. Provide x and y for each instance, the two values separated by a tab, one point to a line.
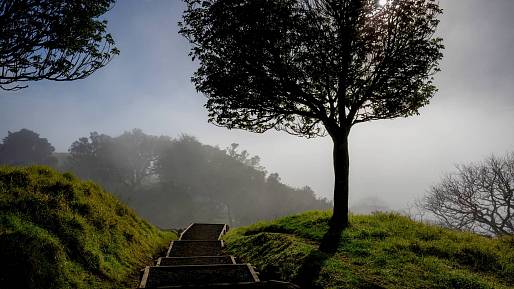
57	231
383	250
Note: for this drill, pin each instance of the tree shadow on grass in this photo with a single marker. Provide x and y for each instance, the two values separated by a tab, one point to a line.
312	264
331	239
310	269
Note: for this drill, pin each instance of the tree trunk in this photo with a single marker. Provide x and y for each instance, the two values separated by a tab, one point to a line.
341	174
339	220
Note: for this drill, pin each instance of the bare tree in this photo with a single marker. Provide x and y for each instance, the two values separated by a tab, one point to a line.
478	197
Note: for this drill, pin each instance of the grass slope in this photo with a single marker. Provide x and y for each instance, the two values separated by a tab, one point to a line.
378	251
59	232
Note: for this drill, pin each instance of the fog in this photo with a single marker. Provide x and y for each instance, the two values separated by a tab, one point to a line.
147	86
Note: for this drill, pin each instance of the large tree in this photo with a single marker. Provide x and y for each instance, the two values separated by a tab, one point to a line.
52	39
25	147
313	67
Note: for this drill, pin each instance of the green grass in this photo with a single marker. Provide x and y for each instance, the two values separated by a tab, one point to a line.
377	251
59	232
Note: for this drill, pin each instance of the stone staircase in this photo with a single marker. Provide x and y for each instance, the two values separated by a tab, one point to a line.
197	260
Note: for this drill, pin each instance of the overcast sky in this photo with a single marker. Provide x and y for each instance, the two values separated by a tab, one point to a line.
147	86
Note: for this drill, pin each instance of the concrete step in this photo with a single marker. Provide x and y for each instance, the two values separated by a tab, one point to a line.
241	285
199	260
195	248
196	260
199	231
158	276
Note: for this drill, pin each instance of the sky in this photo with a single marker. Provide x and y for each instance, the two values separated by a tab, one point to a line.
148	86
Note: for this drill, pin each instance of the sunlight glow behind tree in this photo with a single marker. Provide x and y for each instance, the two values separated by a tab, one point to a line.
314	68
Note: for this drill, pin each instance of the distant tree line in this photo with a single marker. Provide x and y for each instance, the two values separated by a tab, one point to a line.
173	182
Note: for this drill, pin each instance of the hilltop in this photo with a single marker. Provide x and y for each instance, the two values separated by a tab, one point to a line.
378	251
59	232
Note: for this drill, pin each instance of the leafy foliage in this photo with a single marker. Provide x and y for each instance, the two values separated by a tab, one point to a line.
307	66
52	39
59	232
376	251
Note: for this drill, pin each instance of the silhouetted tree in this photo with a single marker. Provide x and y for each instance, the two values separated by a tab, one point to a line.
122	164
313	67
25	147
477	197
52	39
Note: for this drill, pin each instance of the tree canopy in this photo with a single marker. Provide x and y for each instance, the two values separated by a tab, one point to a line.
52	39
313	66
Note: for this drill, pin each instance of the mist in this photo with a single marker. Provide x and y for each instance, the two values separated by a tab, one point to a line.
396	161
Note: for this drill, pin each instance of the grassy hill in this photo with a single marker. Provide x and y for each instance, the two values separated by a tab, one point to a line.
378	251
59	232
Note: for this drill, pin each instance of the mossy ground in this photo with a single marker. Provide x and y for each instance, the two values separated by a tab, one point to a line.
59	232
377	251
